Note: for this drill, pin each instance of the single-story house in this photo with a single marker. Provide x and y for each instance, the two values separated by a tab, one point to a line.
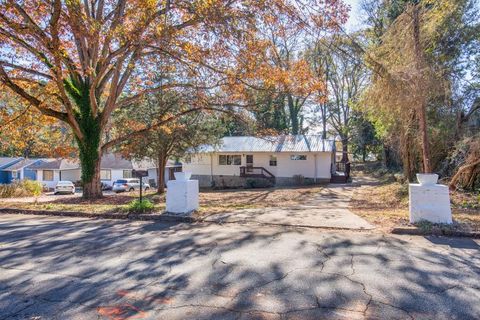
5	162
20	170
280	160
112	168
152	170
16	168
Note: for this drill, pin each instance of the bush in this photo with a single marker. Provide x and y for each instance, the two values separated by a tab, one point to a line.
138	206
23	188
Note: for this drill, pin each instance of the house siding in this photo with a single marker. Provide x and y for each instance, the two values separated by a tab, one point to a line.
206	168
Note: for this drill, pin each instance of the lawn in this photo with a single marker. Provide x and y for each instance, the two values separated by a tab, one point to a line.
385	204
211	202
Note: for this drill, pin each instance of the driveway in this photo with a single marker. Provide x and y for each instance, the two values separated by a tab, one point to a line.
327	209
65	268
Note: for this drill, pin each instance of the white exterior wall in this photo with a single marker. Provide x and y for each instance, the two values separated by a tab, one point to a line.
48	184
201	164
70	175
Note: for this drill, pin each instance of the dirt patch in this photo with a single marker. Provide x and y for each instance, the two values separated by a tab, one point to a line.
212	202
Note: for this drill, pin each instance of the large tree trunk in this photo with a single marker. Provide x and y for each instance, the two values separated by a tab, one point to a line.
90	154
161	164
90	164
422	105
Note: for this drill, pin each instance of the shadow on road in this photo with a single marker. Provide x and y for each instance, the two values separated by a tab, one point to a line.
117	270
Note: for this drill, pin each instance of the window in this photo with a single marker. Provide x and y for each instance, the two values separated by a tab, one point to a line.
127	173
47	175
227	160
298	157
273	161
105	175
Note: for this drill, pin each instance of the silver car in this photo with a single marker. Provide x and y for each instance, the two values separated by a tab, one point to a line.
64	187
131	184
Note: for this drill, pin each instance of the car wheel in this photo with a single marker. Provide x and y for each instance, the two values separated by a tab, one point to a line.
131	189
147	188
55	193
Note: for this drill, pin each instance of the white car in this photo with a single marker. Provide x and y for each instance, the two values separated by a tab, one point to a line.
65	187
131	184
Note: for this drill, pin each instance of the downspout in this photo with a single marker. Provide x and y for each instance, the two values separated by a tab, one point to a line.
315	179
211	167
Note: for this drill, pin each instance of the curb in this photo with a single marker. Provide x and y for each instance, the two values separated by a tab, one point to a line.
115	216
445	233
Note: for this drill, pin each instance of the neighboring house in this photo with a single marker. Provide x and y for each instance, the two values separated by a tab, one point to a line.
20	170
280	160
151	168
112	168
5	162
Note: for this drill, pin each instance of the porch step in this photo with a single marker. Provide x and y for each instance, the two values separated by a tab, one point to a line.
339	179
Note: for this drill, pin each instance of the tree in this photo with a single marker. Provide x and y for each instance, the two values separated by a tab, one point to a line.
346	77
363	136
78	61
26	132
173	140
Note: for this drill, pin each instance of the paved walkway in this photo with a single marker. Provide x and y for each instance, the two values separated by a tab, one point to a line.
65	268
328	209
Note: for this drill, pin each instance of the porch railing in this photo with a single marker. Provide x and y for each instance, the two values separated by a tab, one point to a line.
256	172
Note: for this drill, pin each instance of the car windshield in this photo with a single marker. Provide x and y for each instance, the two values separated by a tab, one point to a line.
64	183
121	181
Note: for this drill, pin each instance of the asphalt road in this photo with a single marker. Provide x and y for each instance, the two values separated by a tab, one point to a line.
65	268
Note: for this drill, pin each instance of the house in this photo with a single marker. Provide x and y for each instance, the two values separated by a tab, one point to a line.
5	162
112	168
279	160
20	170
151	170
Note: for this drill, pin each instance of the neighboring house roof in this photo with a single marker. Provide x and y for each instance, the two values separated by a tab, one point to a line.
115	161
284	143
21	164
109	161
146	164
7	161
55	164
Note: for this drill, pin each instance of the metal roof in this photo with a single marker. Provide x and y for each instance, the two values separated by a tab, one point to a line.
284	143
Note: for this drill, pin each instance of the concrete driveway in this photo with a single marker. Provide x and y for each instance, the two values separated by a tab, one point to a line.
327	209
65	268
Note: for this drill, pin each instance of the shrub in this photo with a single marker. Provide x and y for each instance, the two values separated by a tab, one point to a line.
32	187
138	206
24	188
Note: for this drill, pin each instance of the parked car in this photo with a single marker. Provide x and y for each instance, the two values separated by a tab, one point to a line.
130	184
105	186
64	187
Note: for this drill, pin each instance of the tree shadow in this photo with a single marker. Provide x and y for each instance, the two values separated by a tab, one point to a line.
124	270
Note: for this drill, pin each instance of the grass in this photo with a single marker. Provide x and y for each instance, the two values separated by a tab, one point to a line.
116	203
386	205
211	202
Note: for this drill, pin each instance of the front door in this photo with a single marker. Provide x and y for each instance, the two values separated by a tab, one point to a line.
249	162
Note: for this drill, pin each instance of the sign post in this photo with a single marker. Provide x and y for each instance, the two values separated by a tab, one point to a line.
140	174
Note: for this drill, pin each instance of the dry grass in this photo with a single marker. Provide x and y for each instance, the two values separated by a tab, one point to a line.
211	202
386	205
112	203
